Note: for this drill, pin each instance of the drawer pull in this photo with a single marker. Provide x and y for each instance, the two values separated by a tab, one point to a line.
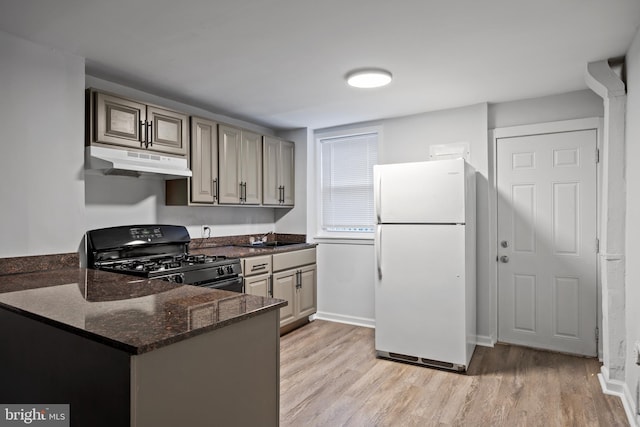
258	267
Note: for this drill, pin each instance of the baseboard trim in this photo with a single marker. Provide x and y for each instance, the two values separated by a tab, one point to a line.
485	341
349	320
482	340
619	389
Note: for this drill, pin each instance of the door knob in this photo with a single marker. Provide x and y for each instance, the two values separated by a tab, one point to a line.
504	259
504	244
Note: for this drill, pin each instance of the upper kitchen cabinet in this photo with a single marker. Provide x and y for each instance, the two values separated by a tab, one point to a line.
202	188
240	173
127	123
278	177
204	161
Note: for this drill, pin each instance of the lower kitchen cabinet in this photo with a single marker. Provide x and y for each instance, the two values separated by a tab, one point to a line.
306	297
257	275
257	285
293	279
285	287
298	287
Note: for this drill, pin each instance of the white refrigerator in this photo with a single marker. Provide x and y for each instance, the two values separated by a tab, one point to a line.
425	286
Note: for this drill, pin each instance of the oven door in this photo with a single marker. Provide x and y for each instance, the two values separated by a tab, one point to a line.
235	284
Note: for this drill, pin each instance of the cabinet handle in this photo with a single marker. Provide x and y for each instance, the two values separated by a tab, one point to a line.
270	286
298	279
281	194
215	189
150	134
141	133
243	192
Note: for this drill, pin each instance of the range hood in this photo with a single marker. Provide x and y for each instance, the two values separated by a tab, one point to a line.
114	161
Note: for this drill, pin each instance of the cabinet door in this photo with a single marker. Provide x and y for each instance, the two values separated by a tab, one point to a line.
166	131
306	293
257	285
270	159
284	287
204	160
119	121
287	172
251	167
229	170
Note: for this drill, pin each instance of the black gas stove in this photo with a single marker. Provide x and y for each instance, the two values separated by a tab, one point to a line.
160	252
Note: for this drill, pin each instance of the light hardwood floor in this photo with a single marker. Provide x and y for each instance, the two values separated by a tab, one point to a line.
331	377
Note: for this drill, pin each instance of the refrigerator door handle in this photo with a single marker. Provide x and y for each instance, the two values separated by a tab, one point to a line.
377	199
379	250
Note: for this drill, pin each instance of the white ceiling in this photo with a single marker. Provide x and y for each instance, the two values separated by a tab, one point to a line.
281	63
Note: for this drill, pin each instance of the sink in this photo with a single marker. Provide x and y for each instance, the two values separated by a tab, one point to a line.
268	244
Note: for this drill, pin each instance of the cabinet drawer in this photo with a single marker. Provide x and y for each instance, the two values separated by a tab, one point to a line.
286	260
256	265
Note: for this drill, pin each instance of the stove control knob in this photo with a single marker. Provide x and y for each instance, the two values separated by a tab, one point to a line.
229	269
179	278
220	271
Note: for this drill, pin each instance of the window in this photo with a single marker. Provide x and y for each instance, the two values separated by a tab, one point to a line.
346	184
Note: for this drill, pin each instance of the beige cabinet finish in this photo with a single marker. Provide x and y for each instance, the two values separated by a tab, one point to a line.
294	280
278	172
306	295
251	167
256	265
258	285
293	259
240	178
285	287
167	131
298	287
257	275
204	161
229	174
127	123
119	121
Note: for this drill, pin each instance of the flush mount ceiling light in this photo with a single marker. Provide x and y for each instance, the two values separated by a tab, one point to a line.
369	78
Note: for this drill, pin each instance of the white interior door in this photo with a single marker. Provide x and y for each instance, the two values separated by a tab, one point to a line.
547	241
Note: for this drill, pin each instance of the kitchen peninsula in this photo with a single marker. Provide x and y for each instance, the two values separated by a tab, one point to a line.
142	353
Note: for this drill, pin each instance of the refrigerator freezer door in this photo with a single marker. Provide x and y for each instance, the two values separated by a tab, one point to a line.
420	292
423	192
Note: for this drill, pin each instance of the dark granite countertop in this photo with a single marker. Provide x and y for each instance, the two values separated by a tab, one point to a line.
129	313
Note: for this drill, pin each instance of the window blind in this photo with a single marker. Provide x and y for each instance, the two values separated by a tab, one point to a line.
347	182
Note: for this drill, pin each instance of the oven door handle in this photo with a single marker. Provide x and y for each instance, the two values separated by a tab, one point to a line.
222	283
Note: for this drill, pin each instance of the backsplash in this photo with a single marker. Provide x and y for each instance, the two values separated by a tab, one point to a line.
244	239
28	264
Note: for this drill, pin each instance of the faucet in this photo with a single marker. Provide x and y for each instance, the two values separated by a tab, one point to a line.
261	239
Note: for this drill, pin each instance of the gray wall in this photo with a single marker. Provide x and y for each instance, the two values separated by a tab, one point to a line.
48	201
566	106
42	133
345	268
632	299
345	273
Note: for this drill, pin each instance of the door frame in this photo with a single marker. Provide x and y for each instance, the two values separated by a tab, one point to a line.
592	123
